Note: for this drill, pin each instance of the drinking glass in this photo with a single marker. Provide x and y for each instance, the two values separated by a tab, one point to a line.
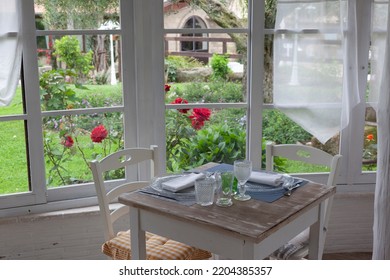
224	181
204	191
242	171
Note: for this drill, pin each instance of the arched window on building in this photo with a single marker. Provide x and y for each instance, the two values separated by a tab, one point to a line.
198	45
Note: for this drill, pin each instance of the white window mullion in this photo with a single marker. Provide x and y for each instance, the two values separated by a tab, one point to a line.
33	116
157	94
32	94
128	73
149	74
255	75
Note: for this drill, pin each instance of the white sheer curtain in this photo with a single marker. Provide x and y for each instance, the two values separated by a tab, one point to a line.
309	77
380	96
10	50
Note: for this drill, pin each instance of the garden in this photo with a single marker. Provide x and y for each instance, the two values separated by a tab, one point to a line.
193	136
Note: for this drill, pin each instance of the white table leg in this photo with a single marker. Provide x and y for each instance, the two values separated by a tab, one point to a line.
248	251
316	242
138	241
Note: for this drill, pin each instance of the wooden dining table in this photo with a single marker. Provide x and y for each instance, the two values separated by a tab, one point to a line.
246	230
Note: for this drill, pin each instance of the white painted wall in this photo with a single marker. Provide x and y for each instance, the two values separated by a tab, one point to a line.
61	235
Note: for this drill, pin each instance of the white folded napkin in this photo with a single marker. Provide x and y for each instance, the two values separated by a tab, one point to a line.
266	178
181	183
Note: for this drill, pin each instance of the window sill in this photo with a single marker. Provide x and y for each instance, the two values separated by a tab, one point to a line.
54	215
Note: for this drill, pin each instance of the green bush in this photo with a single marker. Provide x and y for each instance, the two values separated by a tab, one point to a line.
215	91
67	49
219	64
179	62
215	143
219	143
56	94
278	128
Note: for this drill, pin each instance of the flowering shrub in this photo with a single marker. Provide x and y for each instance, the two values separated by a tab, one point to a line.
370	150
77	145
74	140
182	124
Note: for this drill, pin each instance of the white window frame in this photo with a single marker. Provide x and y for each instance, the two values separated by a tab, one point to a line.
143	99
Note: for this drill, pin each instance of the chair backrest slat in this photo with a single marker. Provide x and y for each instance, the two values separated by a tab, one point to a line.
305	154
114	161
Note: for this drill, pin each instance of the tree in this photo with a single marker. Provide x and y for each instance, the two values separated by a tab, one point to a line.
218	12
86	14
76	14
61	13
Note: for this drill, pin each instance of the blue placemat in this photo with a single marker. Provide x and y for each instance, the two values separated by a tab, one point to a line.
221	167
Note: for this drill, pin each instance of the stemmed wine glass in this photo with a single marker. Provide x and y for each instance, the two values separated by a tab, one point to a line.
242	171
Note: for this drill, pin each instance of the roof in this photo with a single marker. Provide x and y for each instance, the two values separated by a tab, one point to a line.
173	7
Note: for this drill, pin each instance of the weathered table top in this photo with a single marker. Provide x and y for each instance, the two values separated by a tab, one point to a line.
253	219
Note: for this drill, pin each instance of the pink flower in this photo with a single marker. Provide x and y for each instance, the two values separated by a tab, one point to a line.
98	134
67	141
167	88
180	100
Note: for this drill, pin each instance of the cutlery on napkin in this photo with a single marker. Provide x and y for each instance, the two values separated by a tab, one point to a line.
181	183
266	178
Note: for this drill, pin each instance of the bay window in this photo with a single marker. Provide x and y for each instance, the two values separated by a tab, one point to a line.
65	114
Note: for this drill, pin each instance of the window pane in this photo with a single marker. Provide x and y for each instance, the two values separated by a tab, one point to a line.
279	129
177	15
370	152
70	142
67	15
268	69
90	61
211	73
13	171
16	106
200	135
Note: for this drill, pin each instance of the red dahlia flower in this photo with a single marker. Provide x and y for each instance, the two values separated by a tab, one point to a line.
98	134
197	124
180	100
201	114
67	141
167	88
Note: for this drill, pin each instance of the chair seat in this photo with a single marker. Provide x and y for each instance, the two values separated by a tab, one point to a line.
296	249
157	248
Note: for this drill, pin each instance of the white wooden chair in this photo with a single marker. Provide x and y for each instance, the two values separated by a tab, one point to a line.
117	245
298	247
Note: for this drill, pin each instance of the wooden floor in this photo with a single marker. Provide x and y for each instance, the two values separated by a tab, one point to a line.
347	256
